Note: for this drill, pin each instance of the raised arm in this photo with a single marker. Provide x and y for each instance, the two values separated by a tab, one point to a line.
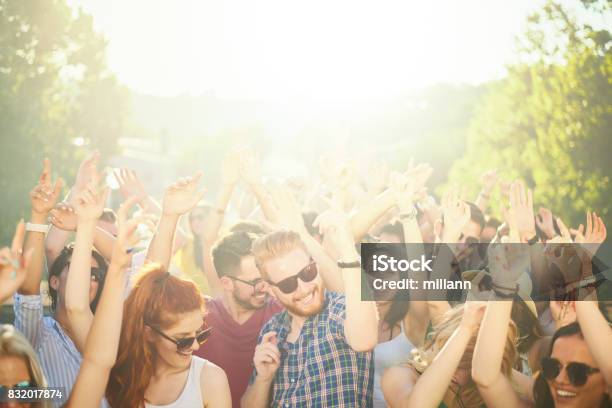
89	205
42	198
488	181
507	262
13	264
250	172
598	335
214	220
179	199
103	342
57	238
289	216
429	389
361	323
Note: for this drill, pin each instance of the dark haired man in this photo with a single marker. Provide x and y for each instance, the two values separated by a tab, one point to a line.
238	315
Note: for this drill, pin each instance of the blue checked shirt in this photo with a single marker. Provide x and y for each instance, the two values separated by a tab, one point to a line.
320	369
59	358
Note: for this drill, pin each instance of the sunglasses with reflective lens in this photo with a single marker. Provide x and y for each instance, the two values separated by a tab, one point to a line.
290	284
578	373
186	342
20	384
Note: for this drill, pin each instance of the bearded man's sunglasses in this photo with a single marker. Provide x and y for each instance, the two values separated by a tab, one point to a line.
290	284
578	373
184	344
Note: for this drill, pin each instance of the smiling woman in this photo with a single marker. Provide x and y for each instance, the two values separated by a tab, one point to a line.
162	327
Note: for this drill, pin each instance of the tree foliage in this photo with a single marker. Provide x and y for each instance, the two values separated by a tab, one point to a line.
549	122
54	88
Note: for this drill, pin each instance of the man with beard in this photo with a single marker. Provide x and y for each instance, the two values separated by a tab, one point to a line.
238	315
316	353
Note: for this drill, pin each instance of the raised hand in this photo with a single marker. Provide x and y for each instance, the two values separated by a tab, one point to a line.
250	167
456	214
89	203
45	194
563	312
334	225
489	180
507	262
183	195
402	188
521	211
127	236
64	217
544	221
129	184
593	236
267	356
13	264
87	171
287	212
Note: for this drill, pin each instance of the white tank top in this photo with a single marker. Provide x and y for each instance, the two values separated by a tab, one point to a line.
388	354
191	397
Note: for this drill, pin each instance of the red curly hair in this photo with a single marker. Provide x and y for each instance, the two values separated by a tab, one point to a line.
157	298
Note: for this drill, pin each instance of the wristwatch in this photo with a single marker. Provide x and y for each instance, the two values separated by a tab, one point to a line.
348	265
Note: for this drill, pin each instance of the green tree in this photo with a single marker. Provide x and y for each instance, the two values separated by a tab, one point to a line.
549	121
55	88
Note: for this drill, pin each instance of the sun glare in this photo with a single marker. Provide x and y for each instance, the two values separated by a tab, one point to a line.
316	51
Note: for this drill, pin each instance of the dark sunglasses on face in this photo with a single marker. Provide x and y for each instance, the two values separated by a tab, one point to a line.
258	284
20	384
290	284
578	373
186	342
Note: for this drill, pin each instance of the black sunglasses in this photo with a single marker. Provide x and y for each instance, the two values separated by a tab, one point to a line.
290	284
186	342
258	284
578	373
20	384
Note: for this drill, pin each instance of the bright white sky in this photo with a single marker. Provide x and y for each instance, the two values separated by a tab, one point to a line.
314	49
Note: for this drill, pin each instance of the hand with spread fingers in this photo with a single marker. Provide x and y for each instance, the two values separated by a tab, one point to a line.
183	195
456	213
130	184
544	221
521	211
593	236
46	193
13	264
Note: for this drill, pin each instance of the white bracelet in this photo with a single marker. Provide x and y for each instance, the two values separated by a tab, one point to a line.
43	228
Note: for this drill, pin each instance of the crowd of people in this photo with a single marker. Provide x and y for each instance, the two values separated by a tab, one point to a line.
260	303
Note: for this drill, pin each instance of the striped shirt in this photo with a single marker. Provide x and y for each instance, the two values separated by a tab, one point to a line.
319	369
59	358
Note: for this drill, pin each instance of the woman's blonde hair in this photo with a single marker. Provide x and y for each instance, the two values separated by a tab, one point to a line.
13	343
441	332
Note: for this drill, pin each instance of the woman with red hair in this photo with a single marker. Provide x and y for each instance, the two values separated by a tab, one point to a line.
163	325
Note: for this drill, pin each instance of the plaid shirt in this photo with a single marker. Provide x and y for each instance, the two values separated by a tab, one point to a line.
320	369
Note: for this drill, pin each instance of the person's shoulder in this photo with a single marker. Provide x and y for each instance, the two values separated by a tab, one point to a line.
212	377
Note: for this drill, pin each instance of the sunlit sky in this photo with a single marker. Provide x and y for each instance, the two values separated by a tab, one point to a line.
315	49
